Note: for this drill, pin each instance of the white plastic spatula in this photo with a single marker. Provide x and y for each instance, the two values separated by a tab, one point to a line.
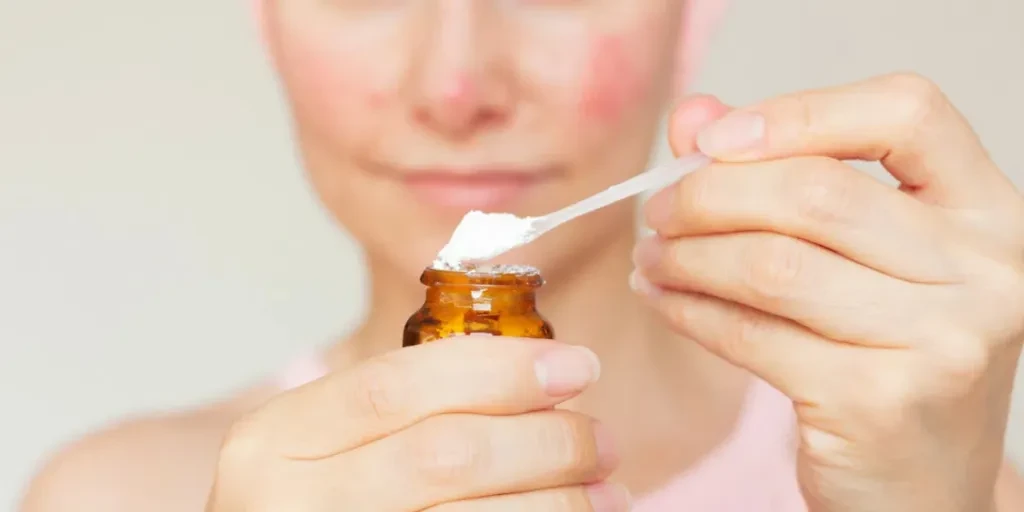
653	179
483	236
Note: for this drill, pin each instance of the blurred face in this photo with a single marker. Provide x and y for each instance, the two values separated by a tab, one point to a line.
409	113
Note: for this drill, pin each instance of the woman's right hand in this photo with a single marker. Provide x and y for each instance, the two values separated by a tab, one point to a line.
462	425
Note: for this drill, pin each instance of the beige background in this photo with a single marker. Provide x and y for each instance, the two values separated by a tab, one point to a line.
154	224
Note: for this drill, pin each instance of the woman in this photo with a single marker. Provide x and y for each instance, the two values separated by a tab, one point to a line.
779	281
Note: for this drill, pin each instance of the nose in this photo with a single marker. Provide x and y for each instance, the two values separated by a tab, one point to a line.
461	83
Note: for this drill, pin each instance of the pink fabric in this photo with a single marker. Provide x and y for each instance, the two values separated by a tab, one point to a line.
753	471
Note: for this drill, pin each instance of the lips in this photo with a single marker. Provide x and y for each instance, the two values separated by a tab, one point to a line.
486	191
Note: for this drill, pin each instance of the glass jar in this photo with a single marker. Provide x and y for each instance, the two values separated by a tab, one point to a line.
499	300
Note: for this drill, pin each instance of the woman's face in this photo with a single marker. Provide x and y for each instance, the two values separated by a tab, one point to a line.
409	113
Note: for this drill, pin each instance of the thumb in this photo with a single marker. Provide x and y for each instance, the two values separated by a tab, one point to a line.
689	118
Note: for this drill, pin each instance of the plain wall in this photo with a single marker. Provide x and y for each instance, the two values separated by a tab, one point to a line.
154	221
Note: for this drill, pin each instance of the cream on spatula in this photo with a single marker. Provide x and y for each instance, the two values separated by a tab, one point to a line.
480	236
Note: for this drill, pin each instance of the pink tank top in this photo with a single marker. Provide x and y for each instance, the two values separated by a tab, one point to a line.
752	471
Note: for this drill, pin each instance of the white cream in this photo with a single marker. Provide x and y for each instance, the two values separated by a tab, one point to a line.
482	236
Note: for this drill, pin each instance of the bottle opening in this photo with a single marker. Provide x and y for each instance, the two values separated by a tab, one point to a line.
515	276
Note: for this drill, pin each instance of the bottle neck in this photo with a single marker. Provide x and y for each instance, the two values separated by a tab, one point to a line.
489	299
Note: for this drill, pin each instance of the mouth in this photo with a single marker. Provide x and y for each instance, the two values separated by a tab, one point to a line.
489	190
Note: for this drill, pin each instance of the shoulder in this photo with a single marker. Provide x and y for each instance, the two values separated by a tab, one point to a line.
154	463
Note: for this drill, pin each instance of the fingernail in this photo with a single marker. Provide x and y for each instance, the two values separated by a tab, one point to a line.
660	208
647	252
609	497
641	285
607	451
567	369
737	131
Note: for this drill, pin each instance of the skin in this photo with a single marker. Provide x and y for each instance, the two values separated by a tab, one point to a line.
570	93
773	247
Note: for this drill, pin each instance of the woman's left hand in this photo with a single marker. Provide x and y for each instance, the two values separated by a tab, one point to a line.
893	318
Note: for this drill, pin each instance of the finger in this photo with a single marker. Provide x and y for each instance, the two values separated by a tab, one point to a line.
791	278
689	117
796	361
458	457
903	120
818	199
388	393
843	391
601	497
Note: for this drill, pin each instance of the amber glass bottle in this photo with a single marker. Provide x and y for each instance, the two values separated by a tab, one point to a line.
500	300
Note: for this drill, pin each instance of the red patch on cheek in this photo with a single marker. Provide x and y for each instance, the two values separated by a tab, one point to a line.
377	98
612	82
332	85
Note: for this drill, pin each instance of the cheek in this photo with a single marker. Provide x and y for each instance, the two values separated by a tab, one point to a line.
624	67
601	77
613	81
331	85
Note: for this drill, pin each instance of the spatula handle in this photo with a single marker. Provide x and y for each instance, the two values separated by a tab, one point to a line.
654	179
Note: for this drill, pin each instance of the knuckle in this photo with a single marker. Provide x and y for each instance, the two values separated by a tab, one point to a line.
893	392
446	451
774	266
675	310
999	282
819	444
749	330
1006	286
799	111
243	444
568	439
958	364
887	399
918	95
677	263
823	191
695	194
380	388
894	396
